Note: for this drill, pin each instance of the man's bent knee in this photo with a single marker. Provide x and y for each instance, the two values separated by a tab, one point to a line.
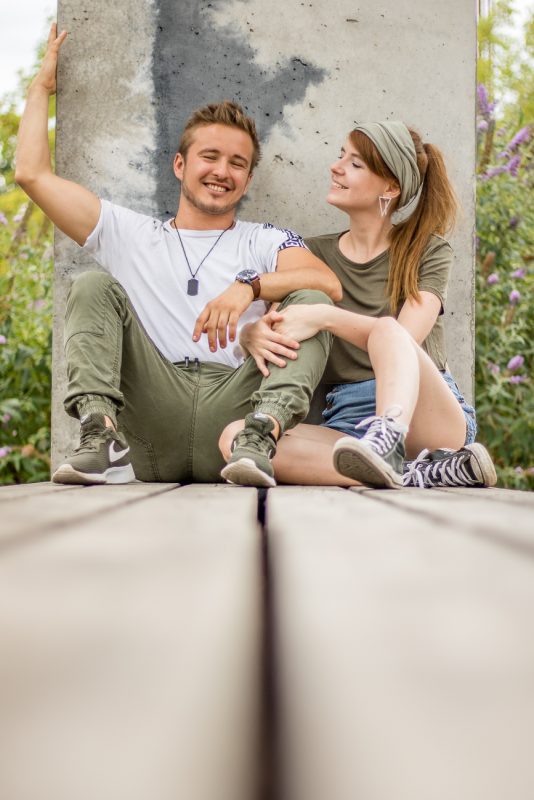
91	281
306	297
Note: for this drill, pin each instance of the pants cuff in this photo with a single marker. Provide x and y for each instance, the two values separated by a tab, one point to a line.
280	414
91	405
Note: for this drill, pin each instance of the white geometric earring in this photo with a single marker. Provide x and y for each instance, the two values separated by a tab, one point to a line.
384	204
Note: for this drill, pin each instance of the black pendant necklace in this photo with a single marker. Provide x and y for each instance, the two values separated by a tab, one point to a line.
192	283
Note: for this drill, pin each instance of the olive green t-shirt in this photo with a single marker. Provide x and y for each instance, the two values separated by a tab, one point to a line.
364	292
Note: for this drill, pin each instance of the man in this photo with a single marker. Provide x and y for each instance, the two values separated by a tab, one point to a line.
154	369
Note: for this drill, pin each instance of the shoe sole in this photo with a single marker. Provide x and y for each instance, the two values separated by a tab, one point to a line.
355	460
245	473
114	475
482	464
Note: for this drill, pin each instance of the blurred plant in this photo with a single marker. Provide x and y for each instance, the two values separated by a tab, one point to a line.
505	253
25	316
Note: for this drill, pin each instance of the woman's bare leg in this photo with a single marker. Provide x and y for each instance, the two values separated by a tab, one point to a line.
303	455
407	377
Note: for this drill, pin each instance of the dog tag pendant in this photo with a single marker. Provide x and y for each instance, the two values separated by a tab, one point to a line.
192	287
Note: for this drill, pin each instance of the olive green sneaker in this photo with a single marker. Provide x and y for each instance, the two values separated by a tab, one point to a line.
252	450
103	456
377	458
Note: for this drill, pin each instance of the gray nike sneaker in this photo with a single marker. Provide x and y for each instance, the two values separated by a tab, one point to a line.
471	466
103	456
252	450
377	458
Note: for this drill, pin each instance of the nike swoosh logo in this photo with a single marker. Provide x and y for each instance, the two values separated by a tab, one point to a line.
114	455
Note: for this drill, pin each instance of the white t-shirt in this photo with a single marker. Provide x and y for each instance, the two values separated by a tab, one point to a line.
145	256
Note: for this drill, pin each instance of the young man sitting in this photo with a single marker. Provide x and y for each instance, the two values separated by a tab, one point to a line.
154	369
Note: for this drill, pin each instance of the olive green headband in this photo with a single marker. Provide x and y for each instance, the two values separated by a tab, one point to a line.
395	144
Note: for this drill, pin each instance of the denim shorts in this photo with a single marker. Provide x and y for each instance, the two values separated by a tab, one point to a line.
347	404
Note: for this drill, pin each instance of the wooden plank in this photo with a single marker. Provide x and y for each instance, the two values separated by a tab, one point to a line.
501	495
18	491
130	642
34	514
404	653
499	518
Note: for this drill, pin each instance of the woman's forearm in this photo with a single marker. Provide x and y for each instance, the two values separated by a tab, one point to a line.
353	328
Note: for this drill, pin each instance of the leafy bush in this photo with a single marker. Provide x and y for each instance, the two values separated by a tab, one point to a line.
505	251
25	345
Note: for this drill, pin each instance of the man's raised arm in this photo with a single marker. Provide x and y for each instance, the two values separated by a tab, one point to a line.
72	208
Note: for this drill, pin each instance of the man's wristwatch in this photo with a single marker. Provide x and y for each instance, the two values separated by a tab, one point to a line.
251	277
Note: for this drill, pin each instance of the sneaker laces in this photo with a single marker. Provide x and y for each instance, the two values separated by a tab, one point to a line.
89	432
383	431
251	437
449	471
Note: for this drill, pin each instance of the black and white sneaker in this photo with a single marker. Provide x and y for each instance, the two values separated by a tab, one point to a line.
377	458
103	456
471	466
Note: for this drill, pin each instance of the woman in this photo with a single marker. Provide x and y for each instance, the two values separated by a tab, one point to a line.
391	394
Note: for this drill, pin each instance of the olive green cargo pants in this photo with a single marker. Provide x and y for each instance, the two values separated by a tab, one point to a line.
173	414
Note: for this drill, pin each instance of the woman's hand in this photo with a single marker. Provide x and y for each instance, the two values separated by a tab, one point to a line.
301	322
264	344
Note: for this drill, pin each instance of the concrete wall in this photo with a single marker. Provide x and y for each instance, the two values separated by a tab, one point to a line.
131	73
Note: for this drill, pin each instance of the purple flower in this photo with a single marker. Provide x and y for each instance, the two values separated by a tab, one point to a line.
493	368
6	418
516	362
517	379
521	137
18	217
500	132
519	470
3	219
513	165
493	278
4	451
482	125
519	273
514	222
514	297
493	171
3	339
484	105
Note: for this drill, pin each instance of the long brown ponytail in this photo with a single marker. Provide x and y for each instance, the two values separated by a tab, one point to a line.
435	213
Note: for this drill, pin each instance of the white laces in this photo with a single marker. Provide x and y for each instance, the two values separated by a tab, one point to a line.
383	431
449	471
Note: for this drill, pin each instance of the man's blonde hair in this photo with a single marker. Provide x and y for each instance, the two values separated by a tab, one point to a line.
225	113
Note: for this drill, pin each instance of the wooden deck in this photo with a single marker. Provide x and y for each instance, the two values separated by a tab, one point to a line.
215	643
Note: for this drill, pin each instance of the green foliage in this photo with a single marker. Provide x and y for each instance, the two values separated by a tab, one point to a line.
25	316
25	345
505	271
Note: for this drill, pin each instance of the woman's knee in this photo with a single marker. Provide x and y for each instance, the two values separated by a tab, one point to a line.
227	437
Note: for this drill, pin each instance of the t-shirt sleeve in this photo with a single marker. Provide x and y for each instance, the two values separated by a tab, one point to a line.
435	270
114	234
269	241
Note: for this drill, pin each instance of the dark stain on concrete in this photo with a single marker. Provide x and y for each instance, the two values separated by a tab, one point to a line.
195	63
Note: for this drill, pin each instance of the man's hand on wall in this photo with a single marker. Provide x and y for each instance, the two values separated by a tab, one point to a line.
46	76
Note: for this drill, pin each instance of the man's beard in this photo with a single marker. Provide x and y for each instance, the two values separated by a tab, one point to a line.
207	208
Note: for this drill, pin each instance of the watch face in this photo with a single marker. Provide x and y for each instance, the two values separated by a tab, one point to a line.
247	275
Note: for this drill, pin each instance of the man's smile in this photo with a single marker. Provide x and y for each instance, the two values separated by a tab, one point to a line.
216	187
